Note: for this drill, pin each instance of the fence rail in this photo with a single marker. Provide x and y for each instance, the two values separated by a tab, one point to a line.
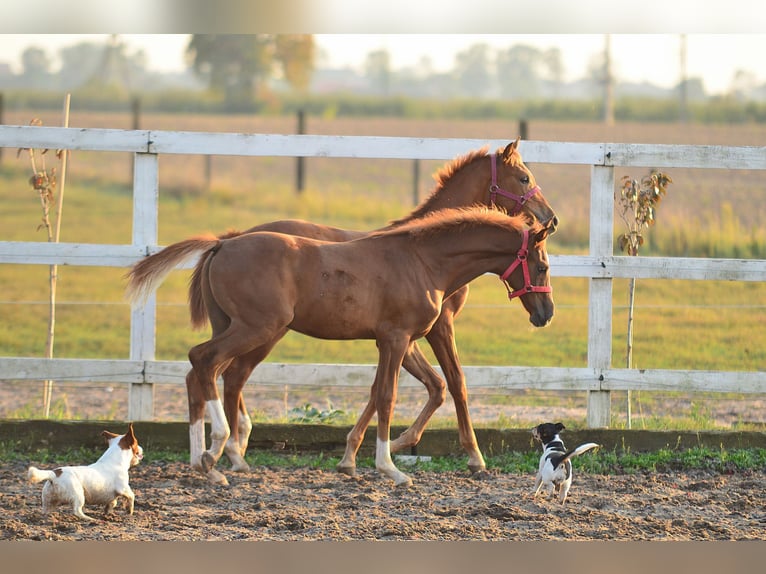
142	371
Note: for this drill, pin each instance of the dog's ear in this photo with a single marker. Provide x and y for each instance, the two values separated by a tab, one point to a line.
560	427
108	435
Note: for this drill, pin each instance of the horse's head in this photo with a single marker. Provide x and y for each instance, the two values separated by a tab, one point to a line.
514	188
528	277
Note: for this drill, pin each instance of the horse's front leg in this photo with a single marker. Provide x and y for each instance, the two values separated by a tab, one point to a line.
392	350
442	341
417	365
347	464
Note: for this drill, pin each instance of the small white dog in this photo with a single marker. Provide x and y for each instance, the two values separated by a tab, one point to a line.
99	483
555	471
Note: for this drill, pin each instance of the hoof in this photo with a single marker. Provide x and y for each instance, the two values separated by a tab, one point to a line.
215	477
480	474
241	467
347	470
405	483
477	469
207	462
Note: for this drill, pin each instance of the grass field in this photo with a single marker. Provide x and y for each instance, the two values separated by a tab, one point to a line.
679	324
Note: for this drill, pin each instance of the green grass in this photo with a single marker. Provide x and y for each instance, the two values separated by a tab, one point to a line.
617	461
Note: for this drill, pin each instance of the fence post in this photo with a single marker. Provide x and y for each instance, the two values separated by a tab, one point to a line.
143	317
600	297
523	129
300	161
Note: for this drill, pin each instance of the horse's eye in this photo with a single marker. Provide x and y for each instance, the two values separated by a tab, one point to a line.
525	179
542	269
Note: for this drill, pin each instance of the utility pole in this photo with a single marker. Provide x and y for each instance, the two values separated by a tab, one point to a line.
682	87
608	83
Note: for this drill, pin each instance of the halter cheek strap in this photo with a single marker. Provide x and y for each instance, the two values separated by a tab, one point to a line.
495	189
521	259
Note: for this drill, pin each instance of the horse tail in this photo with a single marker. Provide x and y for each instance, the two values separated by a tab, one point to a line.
146	275
197	307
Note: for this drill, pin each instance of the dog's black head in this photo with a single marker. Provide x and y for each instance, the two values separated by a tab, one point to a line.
546	432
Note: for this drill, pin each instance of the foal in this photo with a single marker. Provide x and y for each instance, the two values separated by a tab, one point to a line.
388	286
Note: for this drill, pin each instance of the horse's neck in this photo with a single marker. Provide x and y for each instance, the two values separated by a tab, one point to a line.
457	258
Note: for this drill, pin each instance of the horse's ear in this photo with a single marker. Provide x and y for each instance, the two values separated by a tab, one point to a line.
510	148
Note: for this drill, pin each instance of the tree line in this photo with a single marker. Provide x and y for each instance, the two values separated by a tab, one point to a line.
273	72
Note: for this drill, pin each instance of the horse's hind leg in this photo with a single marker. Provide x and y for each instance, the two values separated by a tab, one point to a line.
234	379
416	364
208	360
196	420
442	341
245	427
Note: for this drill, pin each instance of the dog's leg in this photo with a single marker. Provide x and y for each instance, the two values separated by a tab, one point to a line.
538	484
47	494
564	490
131	499
78	502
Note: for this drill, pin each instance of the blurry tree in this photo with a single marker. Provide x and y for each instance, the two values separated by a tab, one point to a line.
239	65
296	53
377	69
79	63
554	69
472	71
743	83
97	65
518	72
695	89
35	65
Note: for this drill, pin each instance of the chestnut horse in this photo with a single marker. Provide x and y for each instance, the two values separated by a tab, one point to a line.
501	180
388	286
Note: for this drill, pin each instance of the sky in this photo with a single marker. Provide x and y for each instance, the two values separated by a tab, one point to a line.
715	58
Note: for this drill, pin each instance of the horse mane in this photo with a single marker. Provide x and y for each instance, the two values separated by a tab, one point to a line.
458	219
442	177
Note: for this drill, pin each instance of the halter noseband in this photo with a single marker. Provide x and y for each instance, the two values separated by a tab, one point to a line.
495	189
521	259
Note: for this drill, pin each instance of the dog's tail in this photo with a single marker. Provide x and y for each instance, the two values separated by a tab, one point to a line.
578	451
34	474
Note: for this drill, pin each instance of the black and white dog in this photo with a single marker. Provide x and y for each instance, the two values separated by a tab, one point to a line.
555	471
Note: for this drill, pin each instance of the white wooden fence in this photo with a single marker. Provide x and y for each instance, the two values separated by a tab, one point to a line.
142	371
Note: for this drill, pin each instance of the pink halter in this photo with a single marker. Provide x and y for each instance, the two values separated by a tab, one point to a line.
494	189
521	259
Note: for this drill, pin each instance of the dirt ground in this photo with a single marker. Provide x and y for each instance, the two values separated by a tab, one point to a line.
173	503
